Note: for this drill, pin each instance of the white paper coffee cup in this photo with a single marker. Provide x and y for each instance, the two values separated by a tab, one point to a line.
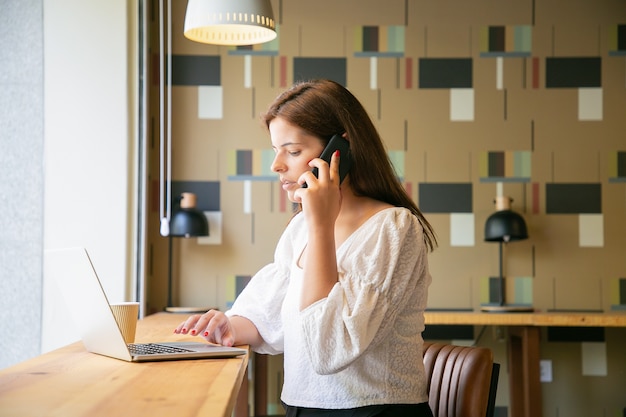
126	315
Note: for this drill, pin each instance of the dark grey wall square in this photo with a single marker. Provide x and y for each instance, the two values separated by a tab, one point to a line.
575	334
244	162
445	197
501	411
448	332
494	289
621	46
573	72
241	281
196	70
621	164
207	193
573	198
445	73
310	68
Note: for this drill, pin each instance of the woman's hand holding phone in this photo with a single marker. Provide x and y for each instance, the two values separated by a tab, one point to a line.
320	195
321	200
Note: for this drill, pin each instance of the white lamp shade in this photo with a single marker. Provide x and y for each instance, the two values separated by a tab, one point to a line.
230	22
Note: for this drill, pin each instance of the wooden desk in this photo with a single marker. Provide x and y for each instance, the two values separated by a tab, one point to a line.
523	346
73	382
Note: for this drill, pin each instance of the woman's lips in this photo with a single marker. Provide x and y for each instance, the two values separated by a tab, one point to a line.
287	185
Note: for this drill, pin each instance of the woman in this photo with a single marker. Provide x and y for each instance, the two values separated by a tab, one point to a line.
345	296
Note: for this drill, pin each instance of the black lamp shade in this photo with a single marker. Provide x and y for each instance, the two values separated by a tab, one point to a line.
505	226
189	222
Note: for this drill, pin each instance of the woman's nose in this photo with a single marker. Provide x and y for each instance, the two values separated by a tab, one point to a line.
277	166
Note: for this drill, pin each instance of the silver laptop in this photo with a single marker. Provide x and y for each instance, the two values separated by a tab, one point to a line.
76	277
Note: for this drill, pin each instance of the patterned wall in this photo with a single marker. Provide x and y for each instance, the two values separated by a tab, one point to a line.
474	99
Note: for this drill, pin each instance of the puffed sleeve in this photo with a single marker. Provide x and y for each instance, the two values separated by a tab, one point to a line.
261	300
379	274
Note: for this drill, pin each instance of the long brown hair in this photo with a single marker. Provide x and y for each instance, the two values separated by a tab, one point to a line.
324	108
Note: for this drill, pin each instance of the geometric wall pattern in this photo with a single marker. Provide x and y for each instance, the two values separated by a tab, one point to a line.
617	40
617	166
522	96
379	41
506	41
505	166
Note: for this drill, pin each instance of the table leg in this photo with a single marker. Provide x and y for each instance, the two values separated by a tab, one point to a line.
260	384
524	383
242	406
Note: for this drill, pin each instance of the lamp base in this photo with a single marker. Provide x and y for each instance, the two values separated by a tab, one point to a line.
188	310
506	308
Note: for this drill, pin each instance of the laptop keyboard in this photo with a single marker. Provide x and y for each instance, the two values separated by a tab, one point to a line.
153	349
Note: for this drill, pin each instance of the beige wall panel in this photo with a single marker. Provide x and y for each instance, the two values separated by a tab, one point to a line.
237	100
542	46
432	111
542	172
585	395
577	166
290	41
392	133
345	12
614	97
518	261
517	76
556	109
521	109
484	195
415	42
489	107
264	95
195	275
395	112
581	39
445	166
446	40
564	356
451	289
514	74
330	40
484	74
358	79
414	169
582	294
462	12
389	73
492	134
578	11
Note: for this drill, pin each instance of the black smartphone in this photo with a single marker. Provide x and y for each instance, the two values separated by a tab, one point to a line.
337	142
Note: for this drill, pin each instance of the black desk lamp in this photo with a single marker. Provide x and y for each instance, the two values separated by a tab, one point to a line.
504	226
186	222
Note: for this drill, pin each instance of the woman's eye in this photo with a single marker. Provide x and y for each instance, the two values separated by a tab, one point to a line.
294	153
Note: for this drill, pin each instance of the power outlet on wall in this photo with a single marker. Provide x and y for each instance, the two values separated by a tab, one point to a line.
545	370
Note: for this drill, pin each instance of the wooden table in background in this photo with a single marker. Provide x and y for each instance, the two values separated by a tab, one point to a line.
73	382
524	347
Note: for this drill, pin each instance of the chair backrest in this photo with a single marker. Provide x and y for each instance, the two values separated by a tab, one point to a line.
462	380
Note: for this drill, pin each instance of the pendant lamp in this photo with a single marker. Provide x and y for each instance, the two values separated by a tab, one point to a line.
230	22
504	226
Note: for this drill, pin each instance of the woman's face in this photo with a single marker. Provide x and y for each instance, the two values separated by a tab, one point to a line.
294	148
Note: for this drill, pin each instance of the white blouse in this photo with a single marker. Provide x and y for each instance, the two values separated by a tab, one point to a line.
362	344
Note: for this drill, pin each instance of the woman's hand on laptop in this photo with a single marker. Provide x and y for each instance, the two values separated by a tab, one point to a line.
214	326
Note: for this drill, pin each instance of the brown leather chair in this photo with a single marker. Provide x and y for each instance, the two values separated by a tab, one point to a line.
462	380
